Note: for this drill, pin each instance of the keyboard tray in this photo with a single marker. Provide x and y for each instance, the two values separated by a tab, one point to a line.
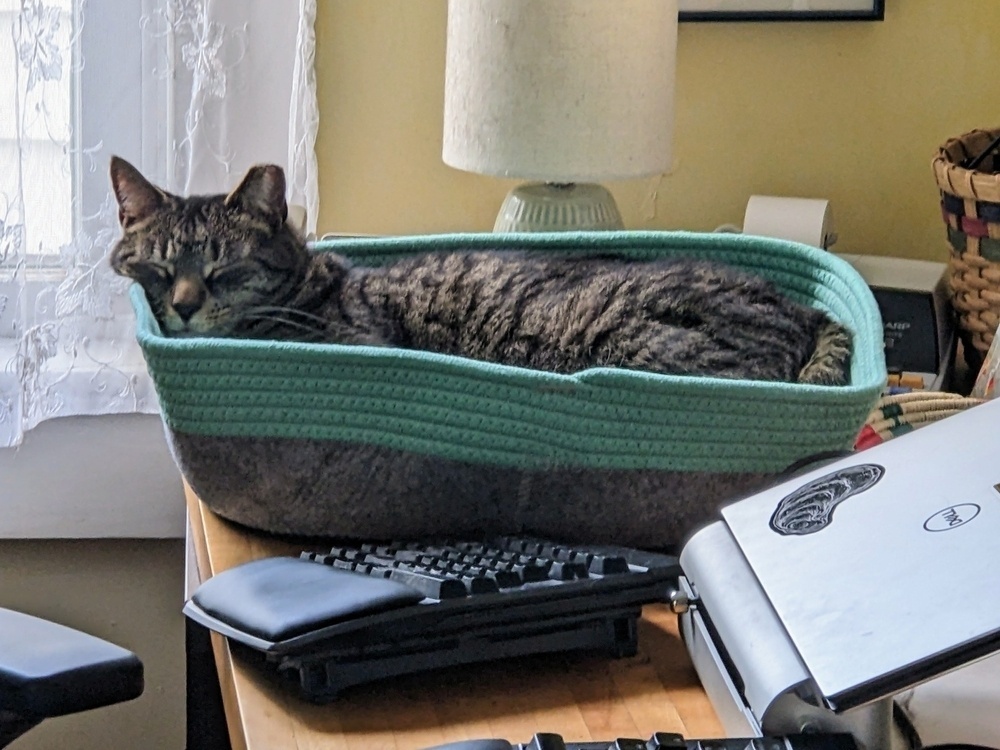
354	614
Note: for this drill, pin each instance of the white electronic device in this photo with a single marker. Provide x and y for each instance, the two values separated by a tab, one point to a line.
812	603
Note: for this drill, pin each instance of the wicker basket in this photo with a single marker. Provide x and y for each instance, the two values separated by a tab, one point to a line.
970	204
898	413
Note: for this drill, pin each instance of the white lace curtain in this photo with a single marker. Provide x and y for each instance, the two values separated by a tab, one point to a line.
192	92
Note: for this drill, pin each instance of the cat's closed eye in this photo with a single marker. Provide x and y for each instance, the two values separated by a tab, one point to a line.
152	274
234	274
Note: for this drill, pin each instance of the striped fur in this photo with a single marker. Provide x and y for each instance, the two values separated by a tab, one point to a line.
229	265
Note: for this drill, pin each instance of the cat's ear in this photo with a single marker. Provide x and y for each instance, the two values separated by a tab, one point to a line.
262	191
137	197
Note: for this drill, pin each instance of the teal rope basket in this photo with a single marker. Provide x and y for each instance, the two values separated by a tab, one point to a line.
517	422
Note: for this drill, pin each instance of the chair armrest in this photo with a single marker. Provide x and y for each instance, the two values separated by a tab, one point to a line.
48	669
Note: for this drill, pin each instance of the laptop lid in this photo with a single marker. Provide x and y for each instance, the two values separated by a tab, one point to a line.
884	567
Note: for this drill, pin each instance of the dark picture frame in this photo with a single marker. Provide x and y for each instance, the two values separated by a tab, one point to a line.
694	10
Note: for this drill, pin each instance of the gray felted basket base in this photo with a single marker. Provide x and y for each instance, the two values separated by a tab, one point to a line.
324	488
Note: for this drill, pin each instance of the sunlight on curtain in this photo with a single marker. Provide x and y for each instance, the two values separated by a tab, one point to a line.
192	92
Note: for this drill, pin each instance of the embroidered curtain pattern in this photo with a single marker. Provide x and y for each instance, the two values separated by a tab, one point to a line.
192	92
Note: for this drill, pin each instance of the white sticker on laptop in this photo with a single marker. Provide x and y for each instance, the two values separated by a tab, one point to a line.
810	508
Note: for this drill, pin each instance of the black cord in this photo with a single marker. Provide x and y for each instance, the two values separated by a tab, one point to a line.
813	461
912	737
905	726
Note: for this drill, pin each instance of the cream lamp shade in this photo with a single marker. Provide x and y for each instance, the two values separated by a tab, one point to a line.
563	92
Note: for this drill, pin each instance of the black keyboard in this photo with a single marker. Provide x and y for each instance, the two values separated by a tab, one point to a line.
668	741
356	613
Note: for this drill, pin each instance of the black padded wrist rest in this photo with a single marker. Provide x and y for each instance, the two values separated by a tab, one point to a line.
281	597
48	669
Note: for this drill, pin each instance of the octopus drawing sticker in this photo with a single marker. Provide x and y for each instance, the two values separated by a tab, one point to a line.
810	508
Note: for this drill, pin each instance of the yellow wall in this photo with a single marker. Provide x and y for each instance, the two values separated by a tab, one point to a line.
851	112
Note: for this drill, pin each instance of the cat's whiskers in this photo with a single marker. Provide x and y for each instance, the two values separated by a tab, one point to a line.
286	310
281	321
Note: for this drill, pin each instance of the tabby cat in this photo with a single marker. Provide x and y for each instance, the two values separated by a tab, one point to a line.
229	265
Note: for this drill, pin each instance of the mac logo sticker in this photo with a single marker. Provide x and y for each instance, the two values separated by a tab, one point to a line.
952	518
810	508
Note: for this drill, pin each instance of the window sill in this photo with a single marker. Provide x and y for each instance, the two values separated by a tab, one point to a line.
69	375
92	478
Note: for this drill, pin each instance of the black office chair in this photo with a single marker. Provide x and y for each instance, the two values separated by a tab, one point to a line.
50	670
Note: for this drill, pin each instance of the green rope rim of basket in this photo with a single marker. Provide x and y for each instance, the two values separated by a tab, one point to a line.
486	413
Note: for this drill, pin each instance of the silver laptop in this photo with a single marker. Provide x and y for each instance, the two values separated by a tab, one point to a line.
858	579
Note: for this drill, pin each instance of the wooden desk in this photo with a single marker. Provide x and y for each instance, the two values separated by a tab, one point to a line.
582	697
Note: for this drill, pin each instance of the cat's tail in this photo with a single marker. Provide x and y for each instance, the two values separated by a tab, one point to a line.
830	363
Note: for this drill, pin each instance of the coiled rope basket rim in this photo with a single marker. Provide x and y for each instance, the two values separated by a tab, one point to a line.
970	207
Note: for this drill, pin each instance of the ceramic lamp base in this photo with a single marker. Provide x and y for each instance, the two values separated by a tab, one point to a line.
550	207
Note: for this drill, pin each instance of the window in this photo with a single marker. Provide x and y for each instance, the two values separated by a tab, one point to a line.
36	119
168	85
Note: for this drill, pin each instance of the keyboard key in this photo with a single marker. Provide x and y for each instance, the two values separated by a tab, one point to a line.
405	555
480	585
554	551
563	570
666	741
432	586
607	566
583	558
531	572
546	741
505	579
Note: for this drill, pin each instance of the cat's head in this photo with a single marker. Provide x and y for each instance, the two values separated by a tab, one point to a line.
210	265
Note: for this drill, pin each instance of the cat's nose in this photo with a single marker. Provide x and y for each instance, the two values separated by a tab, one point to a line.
188	297
185	310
